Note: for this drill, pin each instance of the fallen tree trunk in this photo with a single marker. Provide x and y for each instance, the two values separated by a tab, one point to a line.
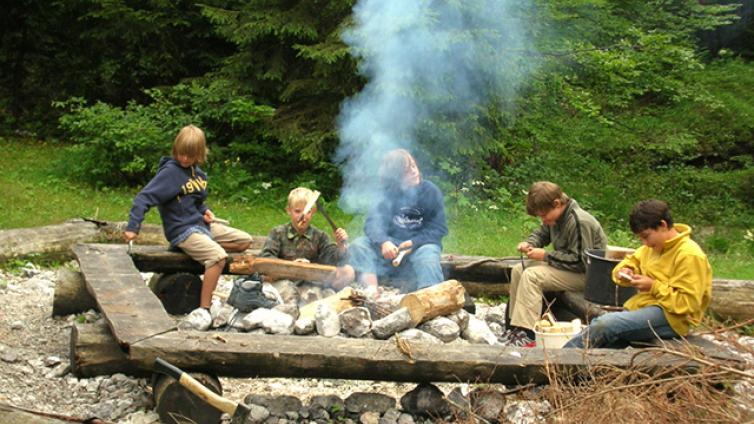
261	355
733	299
57	240
94	351
71	296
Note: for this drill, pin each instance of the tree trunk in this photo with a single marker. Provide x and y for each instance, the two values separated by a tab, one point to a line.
57	240
733	299
263	355
70	295
94	351
434	301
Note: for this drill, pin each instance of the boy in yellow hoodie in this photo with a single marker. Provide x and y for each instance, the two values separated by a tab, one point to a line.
672	276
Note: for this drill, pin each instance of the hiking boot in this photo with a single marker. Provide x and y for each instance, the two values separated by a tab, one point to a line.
199	319
518	338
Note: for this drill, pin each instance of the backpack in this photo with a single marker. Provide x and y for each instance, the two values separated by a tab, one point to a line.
247	295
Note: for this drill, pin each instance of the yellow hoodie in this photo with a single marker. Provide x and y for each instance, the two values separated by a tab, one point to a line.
683	280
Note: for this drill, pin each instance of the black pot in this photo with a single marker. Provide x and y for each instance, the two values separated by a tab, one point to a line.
599	282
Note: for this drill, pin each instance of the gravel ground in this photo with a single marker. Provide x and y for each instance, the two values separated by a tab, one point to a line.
34	363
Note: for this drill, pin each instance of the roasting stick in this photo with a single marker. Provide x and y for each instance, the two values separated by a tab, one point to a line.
398	259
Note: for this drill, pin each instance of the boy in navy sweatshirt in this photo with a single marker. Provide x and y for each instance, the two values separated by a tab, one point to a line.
409	221
179	190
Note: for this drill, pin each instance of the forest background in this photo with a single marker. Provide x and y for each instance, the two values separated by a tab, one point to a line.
616	101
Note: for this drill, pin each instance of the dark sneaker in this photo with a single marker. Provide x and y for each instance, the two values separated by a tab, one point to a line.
247	294
519	338
506	336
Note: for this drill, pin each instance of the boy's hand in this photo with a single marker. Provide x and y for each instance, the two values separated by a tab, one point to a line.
536	254
642	283
129	235
344	275
389	250
341	236
626	274
523	247
209	216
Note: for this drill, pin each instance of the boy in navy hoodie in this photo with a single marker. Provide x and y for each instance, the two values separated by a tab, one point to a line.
409	221
179	190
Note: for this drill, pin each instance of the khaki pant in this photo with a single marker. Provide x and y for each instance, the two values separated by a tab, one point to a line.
528	286
208	251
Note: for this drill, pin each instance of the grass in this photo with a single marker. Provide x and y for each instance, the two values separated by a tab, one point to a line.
34	194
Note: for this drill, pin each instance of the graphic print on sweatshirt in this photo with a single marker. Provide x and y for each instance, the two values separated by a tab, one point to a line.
194	185
409	218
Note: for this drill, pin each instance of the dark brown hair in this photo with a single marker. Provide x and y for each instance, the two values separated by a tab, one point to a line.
649	214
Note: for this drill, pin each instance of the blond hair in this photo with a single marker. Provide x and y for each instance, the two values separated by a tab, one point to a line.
299	195
191	142
542	196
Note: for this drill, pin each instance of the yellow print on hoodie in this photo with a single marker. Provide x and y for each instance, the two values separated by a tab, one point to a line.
193	185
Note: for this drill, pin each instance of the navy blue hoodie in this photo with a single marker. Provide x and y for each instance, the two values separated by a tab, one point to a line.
179	195
416	214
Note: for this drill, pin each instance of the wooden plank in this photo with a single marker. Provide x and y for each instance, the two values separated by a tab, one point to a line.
247	355
131	310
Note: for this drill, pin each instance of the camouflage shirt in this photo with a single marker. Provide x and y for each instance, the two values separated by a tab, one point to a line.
285	243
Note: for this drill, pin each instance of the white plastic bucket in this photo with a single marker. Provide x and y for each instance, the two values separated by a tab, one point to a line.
557	335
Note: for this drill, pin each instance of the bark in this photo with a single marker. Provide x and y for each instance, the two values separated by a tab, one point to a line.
340	301
57	240
70	295
281	269
262	355
434	301
94	351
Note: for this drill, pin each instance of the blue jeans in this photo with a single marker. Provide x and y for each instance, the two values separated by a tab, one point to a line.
618	329
422	265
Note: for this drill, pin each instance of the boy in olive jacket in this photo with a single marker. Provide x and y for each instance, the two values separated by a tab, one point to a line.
672	276
571	231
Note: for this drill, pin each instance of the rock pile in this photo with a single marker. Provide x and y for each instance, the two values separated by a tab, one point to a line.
484	327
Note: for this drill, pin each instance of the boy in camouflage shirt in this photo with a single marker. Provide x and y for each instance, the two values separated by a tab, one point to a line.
299	241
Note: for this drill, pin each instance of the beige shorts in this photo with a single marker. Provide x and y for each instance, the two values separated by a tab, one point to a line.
207	251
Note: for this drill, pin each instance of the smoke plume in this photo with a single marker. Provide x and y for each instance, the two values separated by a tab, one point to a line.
431	67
